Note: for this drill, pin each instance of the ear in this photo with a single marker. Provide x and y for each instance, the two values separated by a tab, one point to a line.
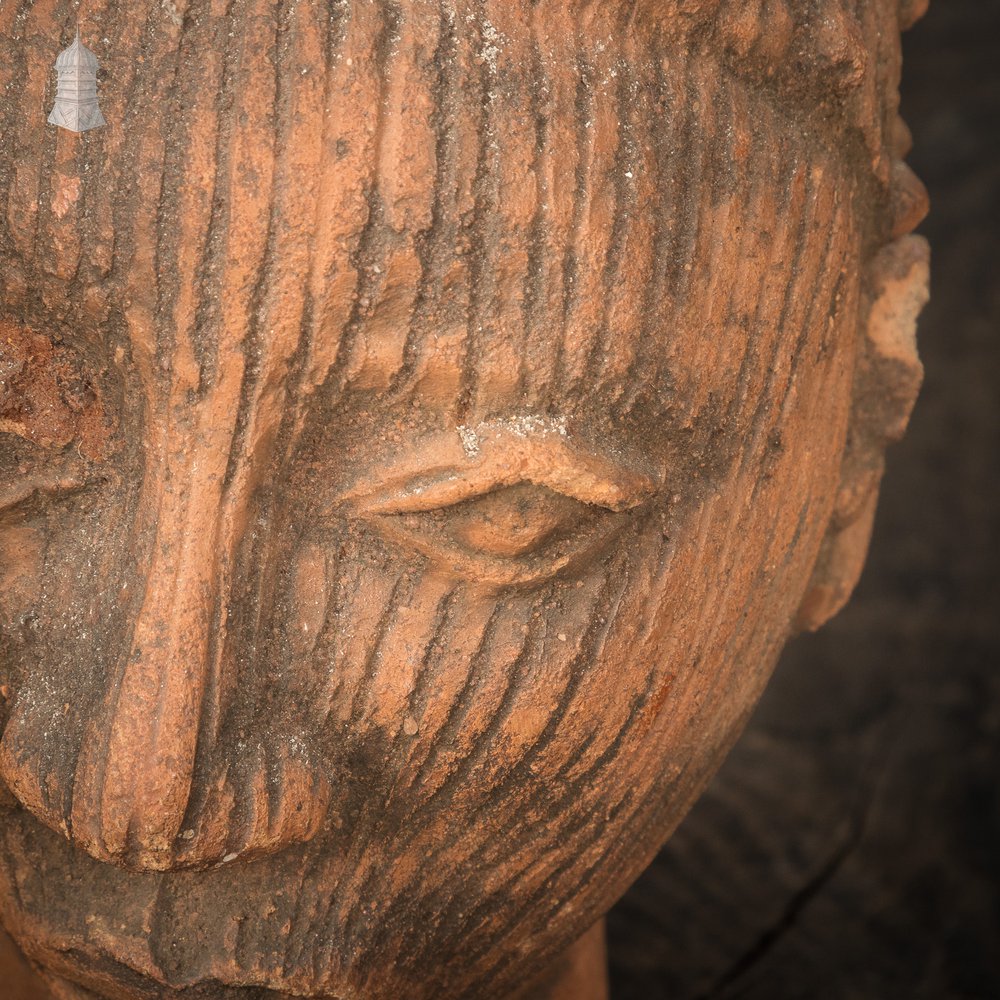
887	379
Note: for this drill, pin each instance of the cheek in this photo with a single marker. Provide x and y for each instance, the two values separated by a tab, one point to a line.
21	557
422	691
60	573
749	547
22	552
440	671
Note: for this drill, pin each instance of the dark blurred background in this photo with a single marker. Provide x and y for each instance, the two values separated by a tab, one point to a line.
850	846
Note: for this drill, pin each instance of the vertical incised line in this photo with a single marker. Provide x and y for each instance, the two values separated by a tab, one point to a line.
436	246
583	116
483	228
535	276
370	249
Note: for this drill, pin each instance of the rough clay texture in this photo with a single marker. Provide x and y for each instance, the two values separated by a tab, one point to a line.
422	425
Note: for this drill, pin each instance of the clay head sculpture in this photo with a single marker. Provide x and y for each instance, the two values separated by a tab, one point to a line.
422	423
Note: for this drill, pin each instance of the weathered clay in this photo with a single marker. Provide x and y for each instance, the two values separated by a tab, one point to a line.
422	424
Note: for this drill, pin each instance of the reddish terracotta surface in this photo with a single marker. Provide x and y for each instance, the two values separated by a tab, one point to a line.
422	425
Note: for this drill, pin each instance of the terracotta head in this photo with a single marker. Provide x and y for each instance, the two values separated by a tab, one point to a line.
421	425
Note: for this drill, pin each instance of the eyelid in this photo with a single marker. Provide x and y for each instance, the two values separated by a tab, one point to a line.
447	469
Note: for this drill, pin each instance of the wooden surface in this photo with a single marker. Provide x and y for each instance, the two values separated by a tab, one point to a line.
848	848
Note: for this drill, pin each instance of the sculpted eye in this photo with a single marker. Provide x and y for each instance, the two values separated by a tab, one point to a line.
511	521
513	534
504	506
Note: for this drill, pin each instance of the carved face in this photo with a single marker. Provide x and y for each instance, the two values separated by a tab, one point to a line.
411	463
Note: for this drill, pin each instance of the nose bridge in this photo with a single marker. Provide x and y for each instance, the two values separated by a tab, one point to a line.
137	762
134	758
129	767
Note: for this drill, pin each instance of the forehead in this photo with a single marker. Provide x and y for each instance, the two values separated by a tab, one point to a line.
492	204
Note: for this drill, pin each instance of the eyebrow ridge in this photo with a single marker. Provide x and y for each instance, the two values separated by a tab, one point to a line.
450	467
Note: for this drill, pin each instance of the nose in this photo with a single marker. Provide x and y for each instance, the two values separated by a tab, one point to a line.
152	739
136	770
136	761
